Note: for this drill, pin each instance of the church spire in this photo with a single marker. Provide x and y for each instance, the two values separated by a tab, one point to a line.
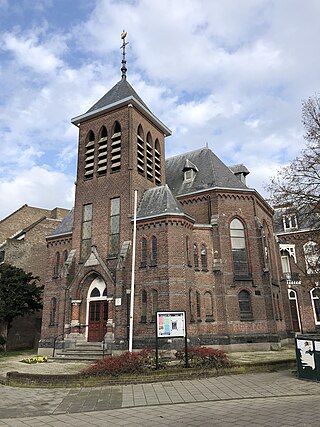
124	62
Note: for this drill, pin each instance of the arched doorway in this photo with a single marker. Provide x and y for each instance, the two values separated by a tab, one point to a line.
294	308
97	310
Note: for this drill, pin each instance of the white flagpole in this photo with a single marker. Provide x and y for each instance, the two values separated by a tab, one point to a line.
133	269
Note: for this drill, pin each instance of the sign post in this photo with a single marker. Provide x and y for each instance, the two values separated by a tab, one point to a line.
171	324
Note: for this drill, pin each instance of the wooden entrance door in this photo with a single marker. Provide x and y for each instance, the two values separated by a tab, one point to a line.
98	316
294	316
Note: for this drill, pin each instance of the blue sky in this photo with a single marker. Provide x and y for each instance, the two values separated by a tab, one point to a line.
228	73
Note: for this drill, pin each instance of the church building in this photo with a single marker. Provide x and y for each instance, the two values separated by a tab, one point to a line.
204	241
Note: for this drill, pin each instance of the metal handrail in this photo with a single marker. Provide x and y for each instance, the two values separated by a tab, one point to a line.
68	331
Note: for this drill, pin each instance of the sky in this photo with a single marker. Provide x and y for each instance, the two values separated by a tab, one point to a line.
231	74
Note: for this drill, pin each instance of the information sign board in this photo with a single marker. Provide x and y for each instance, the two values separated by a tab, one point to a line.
171	324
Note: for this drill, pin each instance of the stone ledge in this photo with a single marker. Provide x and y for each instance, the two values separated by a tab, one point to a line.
19	379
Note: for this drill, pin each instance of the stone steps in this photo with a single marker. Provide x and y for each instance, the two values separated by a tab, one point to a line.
82	351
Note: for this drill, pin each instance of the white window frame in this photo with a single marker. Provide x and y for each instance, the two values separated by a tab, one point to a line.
295	298
313	298
291	218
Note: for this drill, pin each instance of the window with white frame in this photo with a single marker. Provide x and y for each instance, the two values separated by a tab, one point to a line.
290	222
314	293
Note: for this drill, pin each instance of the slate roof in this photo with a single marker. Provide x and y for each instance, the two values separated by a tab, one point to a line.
121	94
306	219
212	173
120	91
65	227
239	169
158	201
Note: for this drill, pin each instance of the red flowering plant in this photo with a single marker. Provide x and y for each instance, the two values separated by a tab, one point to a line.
125	363
204	357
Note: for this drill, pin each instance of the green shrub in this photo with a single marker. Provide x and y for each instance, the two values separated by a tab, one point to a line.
125	363
2	340
204	357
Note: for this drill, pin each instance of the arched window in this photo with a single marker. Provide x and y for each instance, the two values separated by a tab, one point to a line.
53	312
116	148
154	251
188	251
154	301
143	252
198	300
294	309
314	293
95	293
140	151
103	152
65	256
144	306
245	305
56	268
195	256
204	260
208	306
149	157
238	245
312	257
192	305
157	162
89	155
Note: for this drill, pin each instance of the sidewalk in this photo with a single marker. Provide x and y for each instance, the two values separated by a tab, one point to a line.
251	395
259	399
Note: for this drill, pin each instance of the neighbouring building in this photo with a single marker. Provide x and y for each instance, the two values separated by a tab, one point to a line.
23	244
298	231
205	241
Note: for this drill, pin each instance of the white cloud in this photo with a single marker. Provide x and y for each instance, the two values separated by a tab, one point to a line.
29	52
211	71
36	186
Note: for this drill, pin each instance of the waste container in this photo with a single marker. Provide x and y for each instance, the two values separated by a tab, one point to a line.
308	357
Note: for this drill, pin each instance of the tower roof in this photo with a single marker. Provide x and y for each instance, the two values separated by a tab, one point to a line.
120	95
122	90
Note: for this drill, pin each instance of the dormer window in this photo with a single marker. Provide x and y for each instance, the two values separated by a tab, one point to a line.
190	171
290	222
189	175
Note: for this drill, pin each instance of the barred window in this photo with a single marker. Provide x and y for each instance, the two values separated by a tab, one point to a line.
204	260
56	267
195	256
208	306
144	299
53	312
154	301
198	299
191	305
245	305
143	252
154	251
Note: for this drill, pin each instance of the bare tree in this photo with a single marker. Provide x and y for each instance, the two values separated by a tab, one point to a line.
298	184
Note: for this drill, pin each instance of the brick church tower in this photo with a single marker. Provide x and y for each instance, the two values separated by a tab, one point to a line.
205	240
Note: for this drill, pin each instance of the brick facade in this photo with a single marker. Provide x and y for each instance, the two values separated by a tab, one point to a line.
24	233
184	255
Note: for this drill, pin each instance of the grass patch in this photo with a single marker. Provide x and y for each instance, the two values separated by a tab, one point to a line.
6	354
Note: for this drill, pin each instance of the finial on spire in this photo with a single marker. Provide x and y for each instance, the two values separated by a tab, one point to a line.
123	47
